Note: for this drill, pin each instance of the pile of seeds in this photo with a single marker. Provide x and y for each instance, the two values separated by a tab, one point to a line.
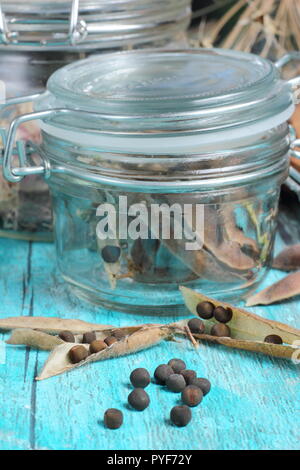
176	378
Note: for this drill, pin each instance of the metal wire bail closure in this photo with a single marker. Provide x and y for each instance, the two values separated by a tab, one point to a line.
76	30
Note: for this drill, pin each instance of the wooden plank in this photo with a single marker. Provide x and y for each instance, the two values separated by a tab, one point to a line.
253	403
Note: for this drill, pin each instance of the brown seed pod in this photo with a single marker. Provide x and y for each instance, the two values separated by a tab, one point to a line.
288	259
286	288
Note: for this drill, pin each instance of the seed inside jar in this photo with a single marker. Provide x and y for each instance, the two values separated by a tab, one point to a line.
220	329
196	326
89	337
97	346
223	315
113	418
274	339
67	336
111	253
110	340
205	310
78	354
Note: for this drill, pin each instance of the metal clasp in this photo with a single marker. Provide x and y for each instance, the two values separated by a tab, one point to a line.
76	29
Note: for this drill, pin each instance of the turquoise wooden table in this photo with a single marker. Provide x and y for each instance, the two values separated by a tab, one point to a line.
254	402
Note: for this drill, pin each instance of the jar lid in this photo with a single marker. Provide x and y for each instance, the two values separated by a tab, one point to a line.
206	93
86	24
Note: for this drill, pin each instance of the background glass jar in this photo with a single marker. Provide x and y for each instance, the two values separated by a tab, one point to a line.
161	128
36	38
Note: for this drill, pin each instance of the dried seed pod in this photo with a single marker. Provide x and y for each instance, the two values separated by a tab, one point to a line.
89	337
162	372
205	310
192	395
110	340
113	418
177	365
188	375
274	339
288	259
140	378
176	383
244	325
139	399
286	288
220	329
196	326
77	354
180	415
223	315
67	336
97	346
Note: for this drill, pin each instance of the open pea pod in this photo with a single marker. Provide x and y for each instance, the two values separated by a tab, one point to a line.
243	325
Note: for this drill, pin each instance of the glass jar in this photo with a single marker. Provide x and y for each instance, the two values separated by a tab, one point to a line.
36	38
165	169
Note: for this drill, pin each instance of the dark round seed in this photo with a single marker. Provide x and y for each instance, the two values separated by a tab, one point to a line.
67	336
119	334
196	326
111	253
220	329
275	339
78	354
223	315
113	418
139	399
181	415
192	395
203	384
188	375
140	378
162	372
205	310
97	346
89	337
176	383
110	340
177	365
